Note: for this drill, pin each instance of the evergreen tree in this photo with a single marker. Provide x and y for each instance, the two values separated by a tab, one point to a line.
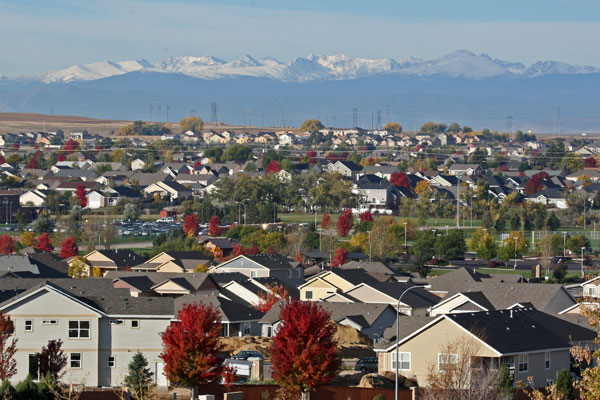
139	377
553	222
515	222
527	225
486	220
500	224
564	385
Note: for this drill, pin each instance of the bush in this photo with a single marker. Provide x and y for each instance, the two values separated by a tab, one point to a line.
379	397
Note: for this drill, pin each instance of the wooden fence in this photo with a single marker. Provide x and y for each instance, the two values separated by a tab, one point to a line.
267	392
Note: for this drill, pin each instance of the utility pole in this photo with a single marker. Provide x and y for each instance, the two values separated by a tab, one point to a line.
458	176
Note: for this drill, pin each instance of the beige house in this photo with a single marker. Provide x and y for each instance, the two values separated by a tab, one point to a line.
529	342
110	260
174	261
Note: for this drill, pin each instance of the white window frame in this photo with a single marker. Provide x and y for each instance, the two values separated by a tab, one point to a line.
308	295
137	321
79	329
549	381
253	274
523	360
114	361
405	361
28	325
446	359
547	360
592	291
115	322
80	361
50	322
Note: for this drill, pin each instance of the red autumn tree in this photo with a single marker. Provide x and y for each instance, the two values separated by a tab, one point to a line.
191	346
273	167
71	145
68	248
299	257
213	226
326	221
197	164
304	354
44	243
33	163
2	159
8	364
535	183
340	257
366	216
344	223
7	244
190	225
15	146
52	359
268	299
590	162
400	179
312	156
228	376
61	157
80	193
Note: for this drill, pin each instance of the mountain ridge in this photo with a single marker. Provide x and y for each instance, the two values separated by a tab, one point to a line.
460	63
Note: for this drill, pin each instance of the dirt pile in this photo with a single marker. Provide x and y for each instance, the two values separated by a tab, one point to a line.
376	381
352	343
234	345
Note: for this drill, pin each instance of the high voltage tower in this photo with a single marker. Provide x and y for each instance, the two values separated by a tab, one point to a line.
355	117
387	114
378	119
150	108
558	124
509	120
213	112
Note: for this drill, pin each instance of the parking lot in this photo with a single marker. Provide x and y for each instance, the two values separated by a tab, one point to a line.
144	228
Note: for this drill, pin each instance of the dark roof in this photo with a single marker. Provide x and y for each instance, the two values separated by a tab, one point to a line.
126	191
123	257
187	255
369	178
480	299
220	242
522	330
415	298
351	165
270	261
230	310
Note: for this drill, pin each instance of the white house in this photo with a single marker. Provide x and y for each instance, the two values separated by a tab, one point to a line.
34	197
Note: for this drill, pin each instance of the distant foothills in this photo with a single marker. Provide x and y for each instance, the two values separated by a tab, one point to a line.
546	96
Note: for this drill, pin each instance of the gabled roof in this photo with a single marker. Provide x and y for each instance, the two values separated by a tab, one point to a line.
123	257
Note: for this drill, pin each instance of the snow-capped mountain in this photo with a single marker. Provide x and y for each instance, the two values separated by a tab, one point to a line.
318	67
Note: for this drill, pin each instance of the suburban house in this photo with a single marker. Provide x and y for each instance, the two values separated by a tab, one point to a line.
264	265
101	328
110	260
171	189
332	281
465	169
346	168
35	198
174	261
489	338
370	319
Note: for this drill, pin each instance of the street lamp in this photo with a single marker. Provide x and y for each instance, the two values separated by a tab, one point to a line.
398	337
405	234
516	240
369	246
582	274
239	217
564	244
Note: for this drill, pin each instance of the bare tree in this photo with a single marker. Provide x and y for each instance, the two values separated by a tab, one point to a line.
460	375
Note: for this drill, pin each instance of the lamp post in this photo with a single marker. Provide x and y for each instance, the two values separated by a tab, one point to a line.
516	240
405	234
398	337
582	274
564	244
458	176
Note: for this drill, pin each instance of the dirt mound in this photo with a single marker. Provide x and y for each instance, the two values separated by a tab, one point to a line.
234	345
376	381
346	336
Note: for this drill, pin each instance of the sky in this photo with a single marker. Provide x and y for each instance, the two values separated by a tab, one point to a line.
41	35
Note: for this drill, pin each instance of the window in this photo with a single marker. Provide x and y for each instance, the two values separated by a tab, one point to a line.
547	360
116	322
509	362
523	362
298	273
549	382
135	324
253	274
308	294
75	360
111	361
592	291
404	359
28	325
79	329
446	360
49	322
289	273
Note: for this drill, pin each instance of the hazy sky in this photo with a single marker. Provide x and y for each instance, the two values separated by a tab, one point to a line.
38	35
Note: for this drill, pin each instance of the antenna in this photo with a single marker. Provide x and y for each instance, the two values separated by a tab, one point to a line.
355	117
558	125
213	112
509	120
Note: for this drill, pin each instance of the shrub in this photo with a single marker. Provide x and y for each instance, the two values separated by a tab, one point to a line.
379	397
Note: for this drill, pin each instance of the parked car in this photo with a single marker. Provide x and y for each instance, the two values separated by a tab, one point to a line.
367	364
246	354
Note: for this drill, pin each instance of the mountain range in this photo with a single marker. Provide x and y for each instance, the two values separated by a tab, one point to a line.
460	63
475	90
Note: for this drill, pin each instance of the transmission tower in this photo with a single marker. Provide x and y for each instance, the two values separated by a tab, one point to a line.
213	112
378	119
151	108
158	111
355	117
558	124
168	108
509	120
387	114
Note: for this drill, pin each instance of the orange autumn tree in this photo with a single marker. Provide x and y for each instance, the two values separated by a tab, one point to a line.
268	299
304	352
